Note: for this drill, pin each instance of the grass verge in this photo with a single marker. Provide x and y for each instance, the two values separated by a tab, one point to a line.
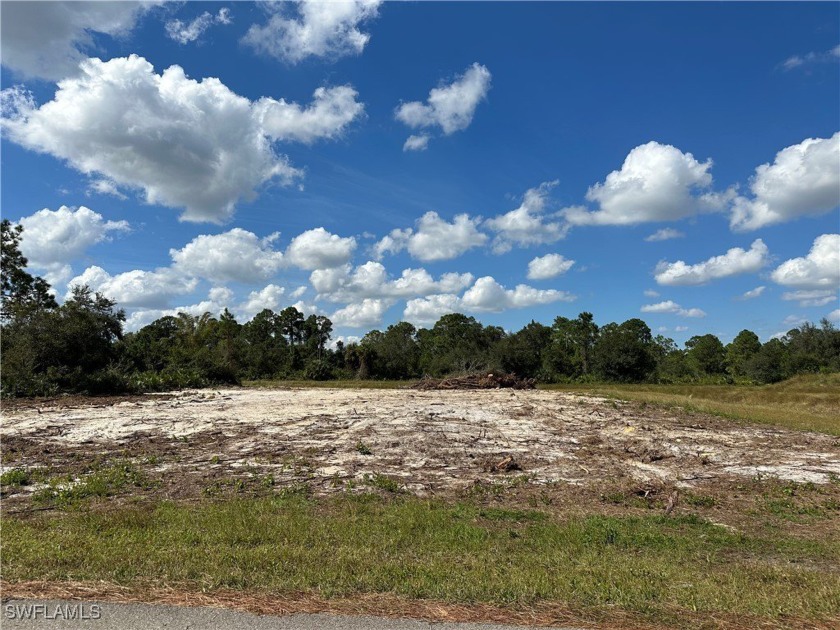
649	568
803	403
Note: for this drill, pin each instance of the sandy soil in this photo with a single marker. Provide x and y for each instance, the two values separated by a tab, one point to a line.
430	442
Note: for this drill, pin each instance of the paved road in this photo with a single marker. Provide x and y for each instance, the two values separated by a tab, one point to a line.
29	613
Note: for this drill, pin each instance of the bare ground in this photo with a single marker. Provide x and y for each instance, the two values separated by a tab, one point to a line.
428	443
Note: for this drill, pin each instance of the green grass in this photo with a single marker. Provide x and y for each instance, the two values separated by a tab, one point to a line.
809	403
103	482
652	567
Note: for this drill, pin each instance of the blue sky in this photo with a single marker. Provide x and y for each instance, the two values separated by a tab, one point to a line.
544	133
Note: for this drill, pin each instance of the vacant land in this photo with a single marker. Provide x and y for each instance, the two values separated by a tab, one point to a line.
531	506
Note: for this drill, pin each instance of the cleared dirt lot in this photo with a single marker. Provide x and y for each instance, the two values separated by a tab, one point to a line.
429	443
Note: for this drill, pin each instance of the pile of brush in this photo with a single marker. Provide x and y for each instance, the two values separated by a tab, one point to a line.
477	381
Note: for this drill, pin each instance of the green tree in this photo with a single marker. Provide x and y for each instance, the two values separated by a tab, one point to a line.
624	352
707	354
21	291
738	353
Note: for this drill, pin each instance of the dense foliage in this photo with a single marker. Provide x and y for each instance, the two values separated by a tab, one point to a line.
80	346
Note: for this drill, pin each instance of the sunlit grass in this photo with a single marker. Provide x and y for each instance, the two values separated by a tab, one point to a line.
809	402
650	566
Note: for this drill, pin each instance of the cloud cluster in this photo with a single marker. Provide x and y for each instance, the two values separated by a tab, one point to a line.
46	39
548	266
53	239
371	280
804	180
184	143
486	295
450	107
186	32
528	224
137	288
670	306
236	255
820	269
734	262
313	28
434	238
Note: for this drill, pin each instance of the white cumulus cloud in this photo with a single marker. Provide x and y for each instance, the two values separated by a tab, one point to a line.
804	180
152	289
734	262
371	280
450	107
318	249
670	306
183	143
488	295
434	238
528	224
657	182
366	313
236	255
313	28
820	269
53	239
548	266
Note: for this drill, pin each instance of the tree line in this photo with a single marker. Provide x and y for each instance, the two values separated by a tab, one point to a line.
81	346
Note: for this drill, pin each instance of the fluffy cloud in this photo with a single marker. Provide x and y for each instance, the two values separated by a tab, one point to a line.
52	239
527	225
733	262
46	39
820	269
804	180
752	293
366	313
426	311
269	297
664	234
320	29
486	295
416	143
434	238
450	107
332	109
318	249
670	306
548	266
371	281
815	297
184	143
834	316
657	182
151	289
236	255
186	32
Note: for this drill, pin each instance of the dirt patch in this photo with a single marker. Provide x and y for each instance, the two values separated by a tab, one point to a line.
428	443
